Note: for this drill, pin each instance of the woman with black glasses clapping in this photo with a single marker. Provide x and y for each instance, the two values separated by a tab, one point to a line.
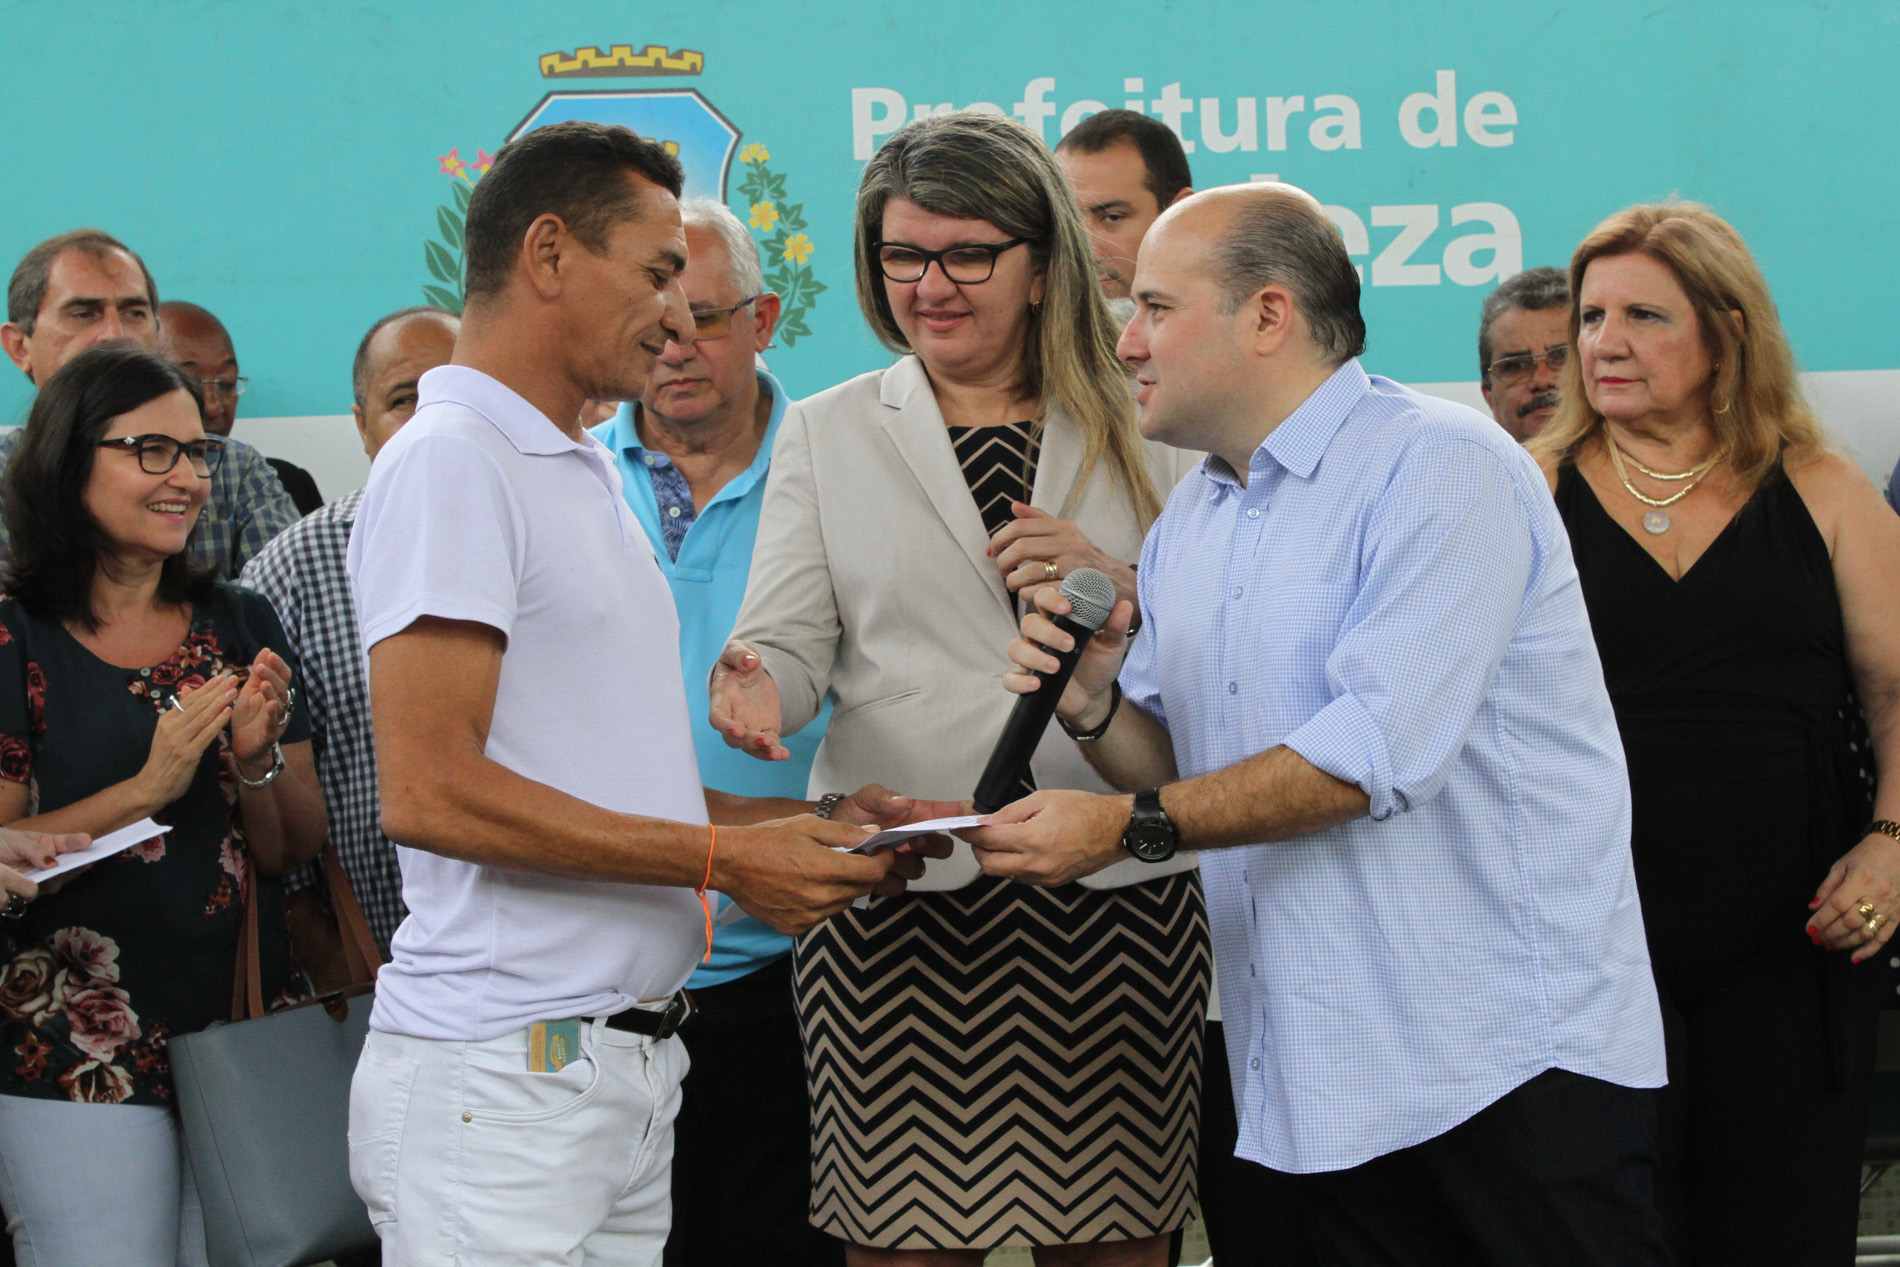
133	685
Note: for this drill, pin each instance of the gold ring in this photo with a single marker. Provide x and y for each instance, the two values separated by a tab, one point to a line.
1874	922
1866	910
1050	570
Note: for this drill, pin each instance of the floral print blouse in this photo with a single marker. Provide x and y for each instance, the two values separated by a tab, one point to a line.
143	946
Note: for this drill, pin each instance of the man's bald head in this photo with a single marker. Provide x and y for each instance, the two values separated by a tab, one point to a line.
188	320
197	340
1262	235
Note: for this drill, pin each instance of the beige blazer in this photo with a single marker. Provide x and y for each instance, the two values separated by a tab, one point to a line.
869	583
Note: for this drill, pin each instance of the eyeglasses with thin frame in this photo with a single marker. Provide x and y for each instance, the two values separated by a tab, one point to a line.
229	388
158	453
716	323
964	265
1514	369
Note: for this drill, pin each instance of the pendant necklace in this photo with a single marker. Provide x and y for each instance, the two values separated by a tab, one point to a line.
1656	522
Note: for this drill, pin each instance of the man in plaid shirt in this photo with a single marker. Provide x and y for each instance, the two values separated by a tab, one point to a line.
86	288
303	575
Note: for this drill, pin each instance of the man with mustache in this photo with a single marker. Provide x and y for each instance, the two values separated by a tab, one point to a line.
1523	338
1126	169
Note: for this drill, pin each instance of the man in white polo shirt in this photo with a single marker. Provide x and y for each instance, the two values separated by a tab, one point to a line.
515	1098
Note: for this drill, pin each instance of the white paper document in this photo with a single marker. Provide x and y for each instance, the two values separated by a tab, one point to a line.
897	835
102	847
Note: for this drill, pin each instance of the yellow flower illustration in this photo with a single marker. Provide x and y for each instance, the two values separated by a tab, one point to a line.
753	154
764	216
798	248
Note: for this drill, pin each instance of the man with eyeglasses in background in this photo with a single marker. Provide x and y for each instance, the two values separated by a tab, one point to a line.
1523	339
197	340
86	289
693	453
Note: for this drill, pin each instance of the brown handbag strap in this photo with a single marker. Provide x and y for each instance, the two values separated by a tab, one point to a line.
360	954
247	984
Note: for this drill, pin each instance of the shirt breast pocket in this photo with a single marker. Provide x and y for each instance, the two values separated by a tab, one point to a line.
1294	629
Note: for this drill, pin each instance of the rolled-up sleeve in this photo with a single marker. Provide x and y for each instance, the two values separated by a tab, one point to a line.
1447	562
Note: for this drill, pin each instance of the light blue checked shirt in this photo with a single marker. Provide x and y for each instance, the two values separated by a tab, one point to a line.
1392	597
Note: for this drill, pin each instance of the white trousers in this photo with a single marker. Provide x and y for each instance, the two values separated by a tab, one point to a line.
465	1157
87	1184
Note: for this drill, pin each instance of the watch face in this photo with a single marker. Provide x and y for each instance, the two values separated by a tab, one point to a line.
1151	842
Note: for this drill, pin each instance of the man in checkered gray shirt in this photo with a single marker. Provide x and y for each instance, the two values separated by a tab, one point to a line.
303	575
86	288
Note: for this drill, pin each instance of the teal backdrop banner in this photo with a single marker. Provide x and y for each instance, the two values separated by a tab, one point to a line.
302	168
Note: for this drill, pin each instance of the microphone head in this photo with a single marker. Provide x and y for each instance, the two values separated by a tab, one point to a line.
1091	597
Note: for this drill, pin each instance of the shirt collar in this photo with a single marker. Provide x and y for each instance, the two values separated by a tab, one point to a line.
622	436
1299	442
525	427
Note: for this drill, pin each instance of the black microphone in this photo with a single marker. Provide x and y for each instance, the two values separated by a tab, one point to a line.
1091	598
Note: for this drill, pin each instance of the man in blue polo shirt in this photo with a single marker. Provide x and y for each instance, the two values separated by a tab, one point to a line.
693	456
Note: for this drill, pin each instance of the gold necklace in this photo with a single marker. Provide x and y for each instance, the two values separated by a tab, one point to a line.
1655	521
1694	472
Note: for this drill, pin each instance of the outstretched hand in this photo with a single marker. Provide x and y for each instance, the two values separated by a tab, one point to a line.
745	704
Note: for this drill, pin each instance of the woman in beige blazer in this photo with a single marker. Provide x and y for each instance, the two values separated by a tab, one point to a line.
989	1064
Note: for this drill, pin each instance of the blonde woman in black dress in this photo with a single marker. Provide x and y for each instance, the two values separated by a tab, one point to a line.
1740	578
990	1065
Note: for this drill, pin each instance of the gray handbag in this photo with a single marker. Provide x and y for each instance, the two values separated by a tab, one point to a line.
265	1101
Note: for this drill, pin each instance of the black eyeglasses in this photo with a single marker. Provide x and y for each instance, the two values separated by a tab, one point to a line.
1511	370
158	454
716	323
964	265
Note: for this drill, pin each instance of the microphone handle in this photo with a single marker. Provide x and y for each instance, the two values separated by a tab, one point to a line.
1009	761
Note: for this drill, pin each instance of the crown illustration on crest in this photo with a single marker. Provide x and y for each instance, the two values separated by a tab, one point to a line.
620	60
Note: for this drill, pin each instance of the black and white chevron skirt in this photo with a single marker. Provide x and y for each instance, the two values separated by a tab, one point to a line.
1005	1065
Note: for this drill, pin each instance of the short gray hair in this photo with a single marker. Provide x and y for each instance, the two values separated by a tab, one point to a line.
1278	237
742	249
1534	290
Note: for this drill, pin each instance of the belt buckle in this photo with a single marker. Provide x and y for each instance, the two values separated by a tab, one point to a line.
677	1012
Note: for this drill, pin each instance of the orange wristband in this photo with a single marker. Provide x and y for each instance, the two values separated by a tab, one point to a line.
704	901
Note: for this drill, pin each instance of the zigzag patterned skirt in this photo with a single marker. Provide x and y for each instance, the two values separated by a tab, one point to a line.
1005	1065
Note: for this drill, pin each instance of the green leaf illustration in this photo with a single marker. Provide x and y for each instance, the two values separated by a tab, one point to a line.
792	329
451	227
752	188
461	195
792	216
440	262
774	186
442	298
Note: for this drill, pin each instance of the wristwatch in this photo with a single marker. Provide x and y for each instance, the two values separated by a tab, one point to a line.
1151	835
828	803
270	775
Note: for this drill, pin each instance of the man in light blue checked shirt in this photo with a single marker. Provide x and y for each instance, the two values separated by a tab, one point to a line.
1365	686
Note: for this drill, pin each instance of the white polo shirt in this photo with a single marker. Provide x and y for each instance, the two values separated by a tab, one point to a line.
480	509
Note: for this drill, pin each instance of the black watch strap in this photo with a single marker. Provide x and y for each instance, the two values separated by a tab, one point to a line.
1151	835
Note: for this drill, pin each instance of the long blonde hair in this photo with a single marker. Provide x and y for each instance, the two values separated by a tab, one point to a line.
977	166
1755	406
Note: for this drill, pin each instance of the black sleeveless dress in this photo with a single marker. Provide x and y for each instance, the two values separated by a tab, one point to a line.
1750	776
